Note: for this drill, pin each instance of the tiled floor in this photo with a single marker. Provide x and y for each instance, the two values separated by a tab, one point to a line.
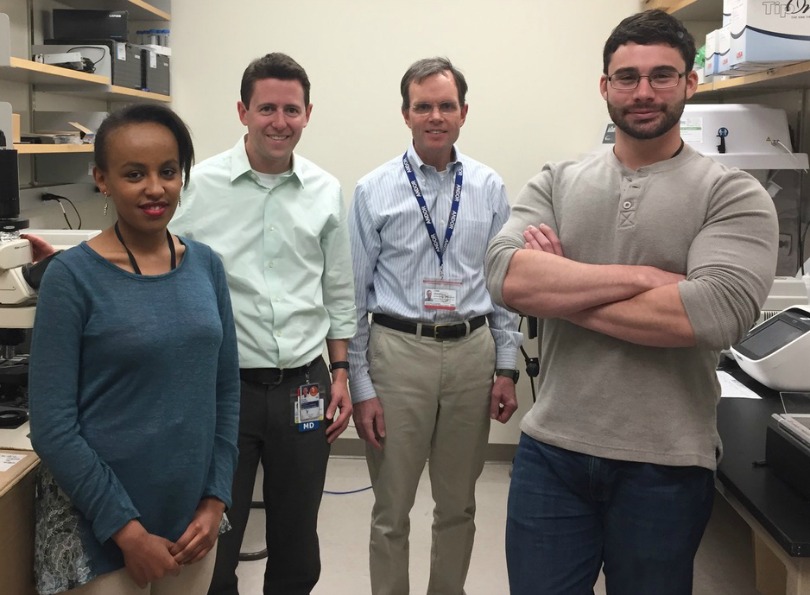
724	563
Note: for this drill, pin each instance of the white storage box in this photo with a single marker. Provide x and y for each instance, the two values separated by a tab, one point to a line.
710	66
767	34
723	49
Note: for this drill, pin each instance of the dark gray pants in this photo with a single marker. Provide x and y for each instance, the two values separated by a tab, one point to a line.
294	466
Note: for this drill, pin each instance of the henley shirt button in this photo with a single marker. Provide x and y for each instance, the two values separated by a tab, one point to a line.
627	204
269	264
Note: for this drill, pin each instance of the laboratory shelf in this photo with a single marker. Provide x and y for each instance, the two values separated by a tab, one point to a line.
50	149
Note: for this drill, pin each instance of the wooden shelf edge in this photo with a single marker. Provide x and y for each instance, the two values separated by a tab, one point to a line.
46	149
689	10
127	92
681	5
151	9
56	72
760	79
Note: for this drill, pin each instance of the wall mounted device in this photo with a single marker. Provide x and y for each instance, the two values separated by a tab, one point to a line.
745	136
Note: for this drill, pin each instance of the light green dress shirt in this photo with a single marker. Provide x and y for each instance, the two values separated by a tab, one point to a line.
286	254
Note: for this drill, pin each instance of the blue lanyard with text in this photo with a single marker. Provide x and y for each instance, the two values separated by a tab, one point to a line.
431	229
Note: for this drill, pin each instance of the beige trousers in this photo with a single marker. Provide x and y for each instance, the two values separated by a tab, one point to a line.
435	397
192	580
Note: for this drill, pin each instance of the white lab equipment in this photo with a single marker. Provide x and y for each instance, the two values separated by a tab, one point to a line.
777	352
16	297
745	136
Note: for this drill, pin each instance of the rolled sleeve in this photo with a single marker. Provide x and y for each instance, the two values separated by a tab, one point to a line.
731	262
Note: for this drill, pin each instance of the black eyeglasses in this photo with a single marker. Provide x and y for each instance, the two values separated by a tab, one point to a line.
664	78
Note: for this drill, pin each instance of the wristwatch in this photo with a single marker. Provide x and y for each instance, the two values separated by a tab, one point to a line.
509	373
338	365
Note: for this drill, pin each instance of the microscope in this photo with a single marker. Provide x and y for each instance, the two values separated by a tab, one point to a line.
16	296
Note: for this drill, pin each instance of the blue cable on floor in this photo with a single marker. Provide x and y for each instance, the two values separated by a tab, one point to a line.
346	493
357	491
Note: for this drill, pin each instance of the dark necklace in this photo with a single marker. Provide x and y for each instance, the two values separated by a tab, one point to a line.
678	152
132	258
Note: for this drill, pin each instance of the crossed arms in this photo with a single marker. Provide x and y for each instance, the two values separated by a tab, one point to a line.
701	253
639	304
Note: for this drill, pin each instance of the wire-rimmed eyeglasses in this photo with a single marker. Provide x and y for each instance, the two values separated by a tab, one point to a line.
663	78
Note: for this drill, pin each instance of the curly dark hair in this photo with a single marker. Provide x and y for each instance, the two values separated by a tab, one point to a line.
647	28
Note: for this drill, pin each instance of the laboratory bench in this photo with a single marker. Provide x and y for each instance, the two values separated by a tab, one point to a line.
779	516
17	520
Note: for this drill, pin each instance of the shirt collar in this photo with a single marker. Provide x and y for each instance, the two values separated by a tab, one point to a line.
240	164
413	157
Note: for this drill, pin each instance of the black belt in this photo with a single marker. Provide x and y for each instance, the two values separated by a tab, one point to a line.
440	332
273	375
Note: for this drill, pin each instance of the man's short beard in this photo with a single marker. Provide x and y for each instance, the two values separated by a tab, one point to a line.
671	117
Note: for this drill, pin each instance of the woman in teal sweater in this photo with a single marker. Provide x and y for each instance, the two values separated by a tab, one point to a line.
134	383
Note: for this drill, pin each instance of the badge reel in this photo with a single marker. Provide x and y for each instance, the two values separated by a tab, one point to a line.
308	407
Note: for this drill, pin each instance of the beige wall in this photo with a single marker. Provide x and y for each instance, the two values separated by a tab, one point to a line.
532	67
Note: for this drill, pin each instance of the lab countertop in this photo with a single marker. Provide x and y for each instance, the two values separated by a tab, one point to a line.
742	424
16	438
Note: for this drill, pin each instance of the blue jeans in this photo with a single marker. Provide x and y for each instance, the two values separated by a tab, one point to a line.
570	513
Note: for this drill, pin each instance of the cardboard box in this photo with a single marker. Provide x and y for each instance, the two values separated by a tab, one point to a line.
727	12
15	128
768	34
17	521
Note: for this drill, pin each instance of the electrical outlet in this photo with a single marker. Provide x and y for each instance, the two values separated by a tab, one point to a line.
785	245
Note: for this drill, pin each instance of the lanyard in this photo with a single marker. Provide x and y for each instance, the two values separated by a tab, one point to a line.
431	229
134	264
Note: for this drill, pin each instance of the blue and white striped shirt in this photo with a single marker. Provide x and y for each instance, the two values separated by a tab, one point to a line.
392	253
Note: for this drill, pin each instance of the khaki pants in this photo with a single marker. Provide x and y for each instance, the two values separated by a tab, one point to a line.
192	580
435	397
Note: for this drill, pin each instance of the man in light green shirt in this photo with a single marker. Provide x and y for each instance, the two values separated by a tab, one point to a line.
279	224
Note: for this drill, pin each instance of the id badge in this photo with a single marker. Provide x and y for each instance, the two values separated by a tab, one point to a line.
440	294
308	407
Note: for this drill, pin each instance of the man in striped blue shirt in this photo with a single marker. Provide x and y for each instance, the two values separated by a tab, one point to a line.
422	373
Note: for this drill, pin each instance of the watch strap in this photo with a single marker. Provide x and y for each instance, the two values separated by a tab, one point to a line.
342	364
509	373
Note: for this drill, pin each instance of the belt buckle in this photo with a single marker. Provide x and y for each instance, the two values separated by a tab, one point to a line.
438	328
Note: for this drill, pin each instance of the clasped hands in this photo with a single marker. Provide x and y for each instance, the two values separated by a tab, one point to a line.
149	557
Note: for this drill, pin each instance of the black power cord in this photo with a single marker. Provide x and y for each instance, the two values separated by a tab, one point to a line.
49	196
532	363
